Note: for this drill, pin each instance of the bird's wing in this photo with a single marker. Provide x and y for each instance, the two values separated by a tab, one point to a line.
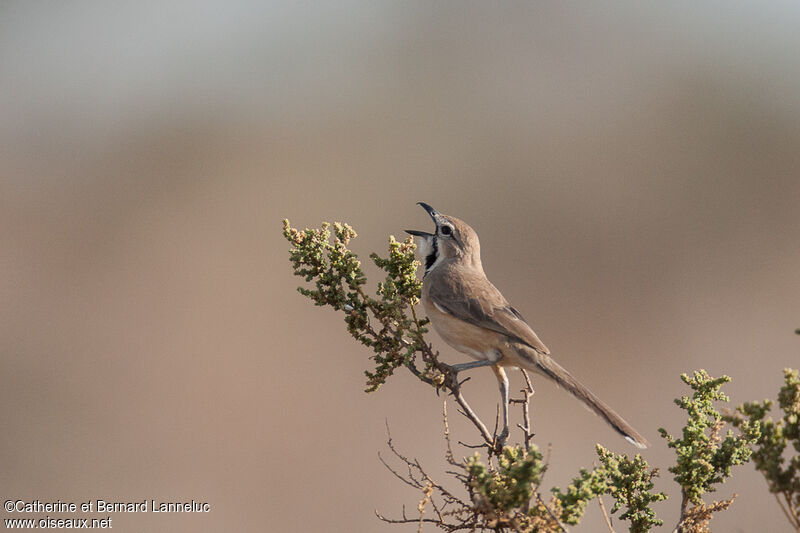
479	302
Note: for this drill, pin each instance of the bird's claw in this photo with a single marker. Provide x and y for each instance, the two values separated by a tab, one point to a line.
451	379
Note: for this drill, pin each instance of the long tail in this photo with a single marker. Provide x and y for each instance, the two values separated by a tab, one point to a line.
546	365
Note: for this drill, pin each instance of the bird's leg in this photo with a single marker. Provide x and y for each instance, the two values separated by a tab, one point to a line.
473	364
502	380
452	374
453	370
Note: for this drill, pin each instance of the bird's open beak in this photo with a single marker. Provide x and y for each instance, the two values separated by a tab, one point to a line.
433	213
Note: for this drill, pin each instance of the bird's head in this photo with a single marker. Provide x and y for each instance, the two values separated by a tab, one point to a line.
452	239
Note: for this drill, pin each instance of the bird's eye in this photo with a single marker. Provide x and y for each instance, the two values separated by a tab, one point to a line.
446	230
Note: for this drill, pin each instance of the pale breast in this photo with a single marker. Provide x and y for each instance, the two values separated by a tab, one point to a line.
472	340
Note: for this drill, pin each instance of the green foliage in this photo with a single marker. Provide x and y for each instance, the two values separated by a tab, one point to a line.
588	485
511	484
335	270
780	469
629	482
704	457
504	492
380	323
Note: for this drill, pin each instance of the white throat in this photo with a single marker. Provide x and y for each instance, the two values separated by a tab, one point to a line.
427	247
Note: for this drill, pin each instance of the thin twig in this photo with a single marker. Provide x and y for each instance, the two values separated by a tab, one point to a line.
405	520
396	474
427	492
790	513
469	413
605	514
785	512
416	477
474	446
526	414
550	512
684	506
451	382
792	509
449	456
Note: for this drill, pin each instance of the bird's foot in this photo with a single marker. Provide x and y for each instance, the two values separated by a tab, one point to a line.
450	378
451	381
451	374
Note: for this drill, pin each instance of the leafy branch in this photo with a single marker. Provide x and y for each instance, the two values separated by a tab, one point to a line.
503	490
388	323
773	455
704	457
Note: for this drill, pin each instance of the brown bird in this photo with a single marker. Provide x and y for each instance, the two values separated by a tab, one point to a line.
473	317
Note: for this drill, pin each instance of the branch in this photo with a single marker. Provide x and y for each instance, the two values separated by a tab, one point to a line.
549	511
450	383
526	414
792	520
605	514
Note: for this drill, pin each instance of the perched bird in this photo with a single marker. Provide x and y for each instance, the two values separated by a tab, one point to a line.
473	317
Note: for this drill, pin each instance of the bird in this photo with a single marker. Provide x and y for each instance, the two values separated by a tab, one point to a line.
470	314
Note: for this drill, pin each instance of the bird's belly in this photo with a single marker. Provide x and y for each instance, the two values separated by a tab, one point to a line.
474	341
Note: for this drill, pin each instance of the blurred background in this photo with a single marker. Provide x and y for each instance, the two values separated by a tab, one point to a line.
631	168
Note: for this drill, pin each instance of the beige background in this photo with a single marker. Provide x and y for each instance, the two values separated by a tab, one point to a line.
631	169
